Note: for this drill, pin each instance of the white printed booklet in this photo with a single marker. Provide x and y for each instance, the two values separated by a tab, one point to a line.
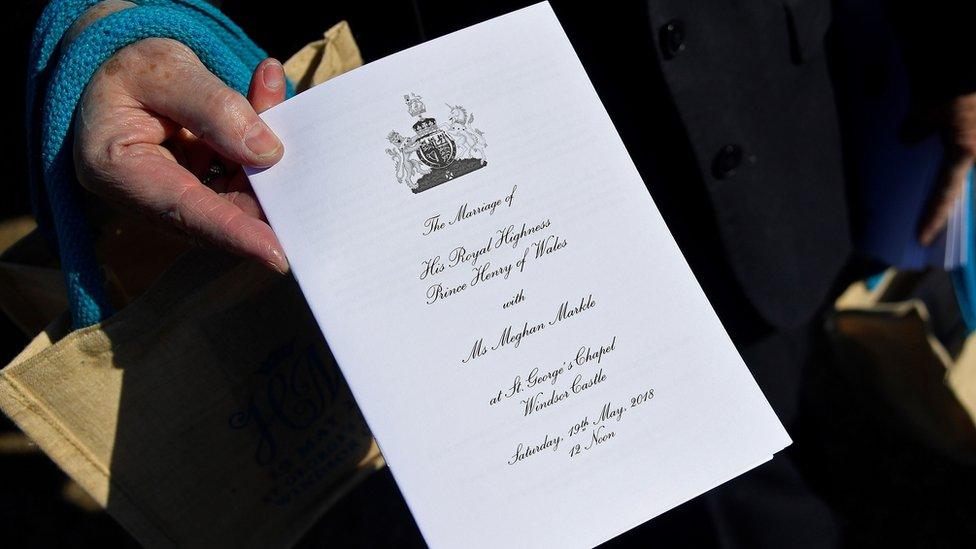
529	347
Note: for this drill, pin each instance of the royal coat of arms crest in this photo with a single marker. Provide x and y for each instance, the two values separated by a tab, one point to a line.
436	153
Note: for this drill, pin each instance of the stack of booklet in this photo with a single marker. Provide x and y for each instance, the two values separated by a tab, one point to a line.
531	351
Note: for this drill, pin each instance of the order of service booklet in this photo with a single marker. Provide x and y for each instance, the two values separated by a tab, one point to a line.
529	347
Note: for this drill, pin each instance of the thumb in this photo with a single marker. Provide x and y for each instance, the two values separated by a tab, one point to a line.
267	85
189	94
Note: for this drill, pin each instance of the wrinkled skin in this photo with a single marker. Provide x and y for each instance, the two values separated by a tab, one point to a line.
158	135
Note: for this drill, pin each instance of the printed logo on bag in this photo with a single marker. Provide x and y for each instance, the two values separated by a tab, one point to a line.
436	153
308	428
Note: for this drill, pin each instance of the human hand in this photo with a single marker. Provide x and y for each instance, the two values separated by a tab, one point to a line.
957	121
157	134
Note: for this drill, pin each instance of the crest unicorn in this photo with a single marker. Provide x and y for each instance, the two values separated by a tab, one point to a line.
470	140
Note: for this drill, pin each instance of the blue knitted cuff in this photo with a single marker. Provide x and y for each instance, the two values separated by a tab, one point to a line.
220	44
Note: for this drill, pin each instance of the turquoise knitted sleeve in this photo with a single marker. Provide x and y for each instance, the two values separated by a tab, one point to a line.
55	85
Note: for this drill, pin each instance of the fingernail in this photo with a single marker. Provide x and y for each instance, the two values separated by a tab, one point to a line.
261	141
273	75
279	264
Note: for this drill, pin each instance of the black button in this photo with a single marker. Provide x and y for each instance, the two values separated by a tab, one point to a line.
726	161
672	38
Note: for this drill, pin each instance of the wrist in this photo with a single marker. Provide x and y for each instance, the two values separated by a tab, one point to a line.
92	14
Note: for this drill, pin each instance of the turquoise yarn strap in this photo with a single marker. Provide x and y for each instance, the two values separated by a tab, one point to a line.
53	23
58	200
219	24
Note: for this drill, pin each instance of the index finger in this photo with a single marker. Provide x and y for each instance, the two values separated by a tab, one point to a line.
164	189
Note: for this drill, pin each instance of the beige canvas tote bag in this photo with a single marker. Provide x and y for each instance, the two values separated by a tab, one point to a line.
208	412
884	340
